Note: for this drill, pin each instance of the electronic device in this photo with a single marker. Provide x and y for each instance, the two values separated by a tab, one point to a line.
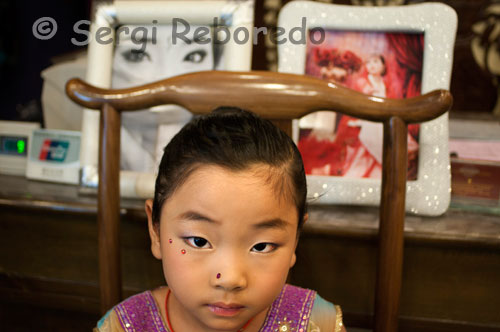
54	155
14	140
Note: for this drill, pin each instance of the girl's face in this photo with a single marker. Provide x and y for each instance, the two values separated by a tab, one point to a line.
226	240
375	66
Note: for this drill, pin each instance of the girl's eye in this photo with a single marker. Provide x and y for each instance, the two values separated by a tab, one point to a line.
135	55
195	56
198	242
264	247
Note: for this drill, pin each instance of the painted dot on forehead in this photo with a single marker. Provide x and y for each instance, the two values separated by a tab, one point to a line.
170	241
183	251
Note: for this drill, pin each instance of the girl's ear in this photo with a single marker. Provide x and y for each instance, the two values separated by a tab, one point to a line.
293	260
154	230
306	217
294	256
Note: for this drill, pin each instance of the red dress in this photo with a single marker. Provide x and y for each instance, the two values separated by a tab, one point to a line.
344	156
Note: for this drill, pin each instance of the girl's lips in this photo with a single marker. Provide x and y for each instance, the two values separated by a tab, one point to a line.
226	310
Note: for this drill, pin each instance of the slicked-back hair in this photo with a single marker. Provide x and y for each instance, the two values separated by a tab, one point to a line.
235	140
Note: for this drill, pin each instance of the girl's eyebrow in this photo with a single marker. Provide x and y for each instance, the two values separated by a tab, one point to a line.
275	223
195	216
271	224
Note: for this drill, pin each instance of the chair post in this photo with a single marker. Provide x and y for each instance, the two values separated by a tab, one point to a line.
391	227
108	216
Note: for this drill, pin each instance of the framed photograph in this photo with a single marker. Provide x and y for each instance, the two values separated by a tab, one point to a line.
386	52
137	42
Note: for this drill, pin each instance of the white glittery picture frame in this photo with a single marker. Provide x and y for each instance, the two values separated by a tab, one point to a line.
236	14
429	194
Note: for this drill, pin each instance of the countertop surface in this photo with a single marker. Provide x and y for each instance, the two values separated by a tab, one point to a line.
456	225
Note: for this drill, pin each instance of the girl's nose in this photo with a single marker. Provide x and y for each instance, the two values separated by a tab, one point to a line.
230	274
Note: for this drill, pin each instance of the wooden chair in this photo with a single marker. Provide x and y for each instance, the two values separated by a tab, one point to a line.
279	97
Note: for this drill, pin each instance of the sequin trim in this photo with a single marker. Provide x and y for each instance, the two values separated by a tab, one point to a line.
140	313
338	319
290	311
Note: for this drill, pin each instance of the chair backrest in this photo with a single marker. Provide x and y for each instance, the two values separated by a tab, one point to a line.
280	98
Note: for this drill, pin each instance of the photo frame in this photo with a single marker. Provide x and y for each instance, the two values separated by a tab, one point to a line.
428	193
232	14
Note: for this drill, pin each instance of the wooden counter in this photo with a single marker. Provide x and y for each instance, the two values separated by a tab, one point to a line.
48	260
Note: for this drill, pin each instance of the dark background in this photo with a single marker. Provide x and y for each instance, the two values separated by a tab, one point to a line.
23	57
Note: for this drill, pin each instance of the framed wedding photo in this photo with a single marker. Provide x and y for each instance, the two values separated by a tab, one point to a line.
386	52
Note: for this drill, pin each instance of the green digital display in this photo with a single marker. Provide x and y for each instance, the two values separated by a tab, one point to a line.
21	147
13	145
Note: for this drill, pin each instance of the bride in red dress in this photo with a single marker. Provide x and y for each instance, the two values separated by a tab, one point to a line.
354	149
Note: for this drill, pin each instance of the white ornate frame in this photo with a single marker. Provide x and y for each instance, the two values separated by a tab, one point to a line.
430	193
237	56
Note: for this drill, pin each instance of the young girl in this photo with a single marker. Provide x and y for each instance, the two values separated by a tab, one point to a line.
230	200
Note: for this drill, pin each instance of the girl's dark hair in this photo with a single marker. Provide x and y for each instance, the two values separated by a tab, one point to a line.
382	59
234	139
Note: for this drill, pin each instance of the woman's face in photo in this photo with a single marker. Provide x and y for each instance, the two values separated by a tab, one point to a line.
145	54
375	66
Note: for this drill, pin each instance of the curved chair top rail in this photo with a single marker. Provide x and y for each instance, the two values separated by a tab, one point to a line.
281	96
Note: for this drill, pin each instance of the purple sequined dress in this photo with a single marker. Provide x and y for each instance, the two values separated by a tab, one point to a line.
292	308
